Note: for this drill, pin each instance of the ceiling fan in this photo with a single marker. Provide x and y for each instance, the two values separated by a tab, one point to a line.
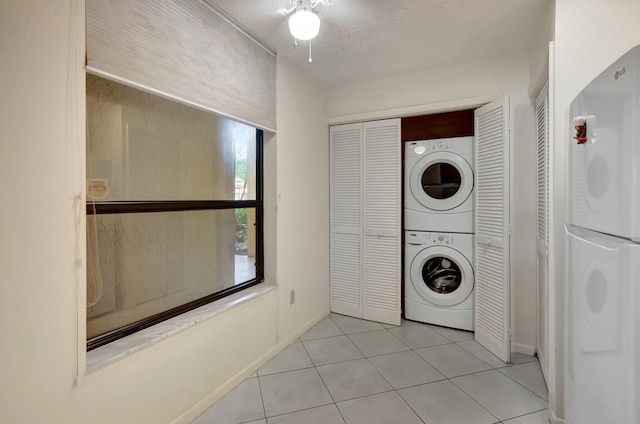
304	24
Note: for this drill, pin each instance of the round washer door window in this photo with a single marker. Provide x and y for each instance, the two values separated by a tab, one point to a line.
442	275
441	181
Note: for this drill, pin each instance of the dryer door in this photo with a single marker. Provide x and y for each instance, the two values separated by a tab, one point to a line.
441	181
442	275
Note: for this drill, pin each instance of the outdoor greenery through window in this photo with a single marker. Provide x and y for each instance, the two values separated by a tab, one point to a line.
174	209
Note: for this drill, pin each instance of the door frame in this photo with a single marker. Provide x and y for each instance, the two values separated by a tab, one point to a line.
441	107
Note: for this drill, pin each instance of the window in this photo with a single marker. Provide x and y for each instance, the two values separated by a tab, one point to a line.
174	209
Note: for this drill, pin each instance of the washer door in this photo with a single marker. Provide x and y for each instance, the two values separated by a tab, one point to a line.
442	275
441	181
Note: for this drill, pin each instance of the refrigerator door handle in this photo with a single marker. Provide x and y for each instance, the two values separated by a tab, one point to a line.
599	240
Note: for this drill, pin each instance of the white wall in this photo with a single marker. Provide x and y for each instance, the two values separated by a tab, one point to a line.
589	36
41	222
303	197
539	56
539	64
426	90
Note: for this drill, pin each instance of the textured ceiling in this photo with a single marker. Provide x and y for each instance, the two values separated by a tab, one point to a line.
362	39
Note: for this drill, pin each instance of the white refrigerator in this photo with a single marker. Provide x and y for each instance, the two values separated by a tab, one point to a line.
602	350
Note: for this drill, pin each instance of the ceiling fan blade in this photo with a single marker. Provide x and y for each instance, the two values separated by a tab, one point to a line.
284	11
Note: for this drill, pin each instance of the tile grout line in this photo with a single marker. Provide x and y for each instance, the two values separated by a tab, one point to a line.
388	382
264	410
517	382
398	338
504	364
324	383
478	402
449	379
380	354
393	389
462	375
295	412
406	403
474	399
527	414
440	372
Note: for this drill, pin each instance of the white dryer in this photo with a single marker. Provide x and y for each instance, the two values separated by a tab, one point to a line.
438	185
439	279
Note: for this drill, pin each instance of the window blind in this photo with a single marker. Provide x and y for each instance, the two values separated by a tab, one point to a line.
187	50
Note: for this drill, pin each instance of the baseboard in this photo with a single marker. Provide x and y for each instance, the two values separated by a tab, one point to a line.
524	349
191	414
555	420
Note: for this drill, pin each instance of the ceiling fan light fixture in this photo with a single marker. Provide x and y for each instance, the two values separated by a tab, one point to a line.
304	24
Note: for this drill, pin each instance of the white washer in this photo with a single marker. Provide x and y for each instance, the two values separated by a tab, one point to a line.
439	279
438	185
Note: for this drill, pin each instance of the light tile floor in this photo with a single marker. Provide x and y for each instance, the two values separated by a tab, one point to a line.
350	371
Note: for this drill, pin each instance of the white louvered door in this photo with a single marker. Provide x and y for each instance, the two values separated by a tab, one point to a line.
365	220
382	209
542	137
346	219
492	229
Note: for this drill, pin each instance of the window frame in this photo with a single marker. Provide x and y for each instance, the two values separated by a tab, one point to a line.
120	207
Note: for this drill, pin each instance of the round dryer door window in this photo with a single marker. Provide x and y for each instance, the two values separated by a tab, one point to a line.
441	181
442	275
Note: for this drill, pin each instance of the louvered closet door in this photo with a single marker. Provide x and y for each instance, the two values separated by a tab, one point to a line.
382	209
346	220
542	136
492	229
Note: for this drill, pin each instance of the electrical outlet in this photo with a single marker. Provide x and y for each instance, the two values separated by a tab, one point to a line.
292	297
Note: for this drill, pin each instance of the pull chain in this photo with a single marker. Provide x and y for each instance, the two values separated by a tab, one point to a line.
310	60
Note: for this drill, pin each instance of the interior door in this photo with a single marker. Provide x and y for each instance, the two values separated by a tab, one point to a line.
382	211
346	219
492	160
542	137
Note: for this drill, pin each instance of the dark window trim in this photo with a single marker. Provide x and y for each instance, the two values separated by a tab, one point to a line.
260	208
147	206
188	205
129	329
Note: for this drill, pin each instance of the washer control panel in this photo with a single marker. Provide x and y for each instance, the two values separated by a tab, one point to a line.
442	239
445	239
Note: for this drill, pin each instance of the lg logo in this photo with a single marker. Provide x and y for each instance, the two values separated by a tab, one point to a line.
620	73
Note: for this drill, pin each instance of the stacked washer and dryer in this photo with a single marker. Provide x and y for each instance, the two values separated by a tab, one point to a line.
439	238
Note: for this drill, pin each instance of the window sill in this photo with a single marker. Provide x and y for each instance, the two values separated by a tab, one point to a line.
113	352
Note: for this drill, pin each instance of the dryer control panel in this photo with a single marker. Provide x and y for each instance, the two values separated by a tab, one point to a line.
421	147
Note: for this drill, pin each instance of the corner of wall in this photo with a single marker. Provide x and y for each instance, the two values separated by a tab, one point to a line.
302	199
